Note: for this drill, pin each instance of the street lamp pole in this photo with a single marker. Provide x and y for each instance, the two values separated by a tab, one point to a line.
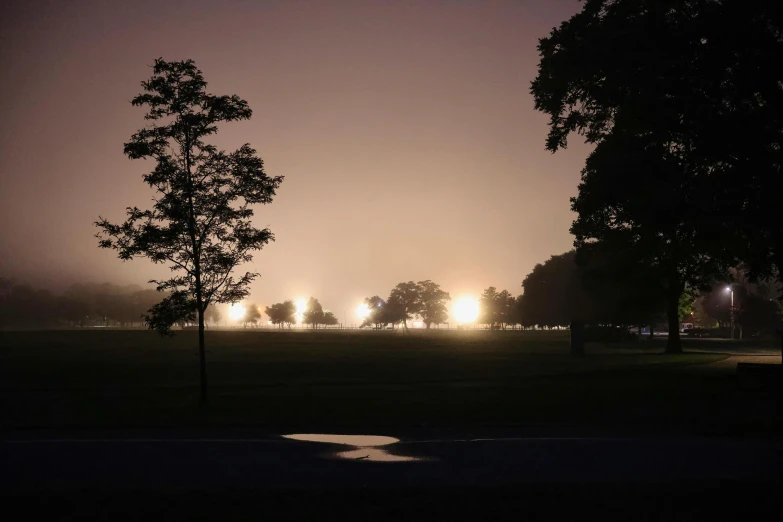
731	310
732	313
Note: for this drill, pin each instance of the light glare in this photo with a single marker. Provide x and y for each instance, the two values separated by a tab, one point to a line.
237	311
466	310
362	311
301	306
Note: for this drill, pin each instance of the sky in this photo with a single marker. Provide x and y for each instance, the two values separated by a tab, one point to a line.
405	131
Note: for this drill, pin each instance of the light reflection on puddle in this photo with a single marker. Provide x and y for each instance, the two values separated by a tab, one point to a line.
367	447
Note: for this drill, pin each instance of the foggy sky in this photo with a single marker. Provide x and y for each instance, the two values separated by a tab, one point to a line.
405	132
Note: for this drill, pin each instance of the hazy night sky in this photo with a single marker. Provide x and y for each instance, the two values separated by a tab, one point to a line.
405	132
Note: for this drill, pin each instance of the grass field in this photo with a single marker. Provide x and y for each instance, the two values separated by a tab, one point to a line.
461	380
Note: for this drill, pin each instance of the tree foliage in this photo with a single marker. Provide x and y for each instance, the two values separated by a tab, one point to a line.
316	316
282	313
252	314
497	309
686	125
404	303
329	319
200	222
431	303
552	293
602	292
376	312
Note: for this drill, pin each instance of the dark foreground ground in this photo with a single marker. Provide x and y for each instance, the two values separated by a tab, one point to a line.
506	425
542	478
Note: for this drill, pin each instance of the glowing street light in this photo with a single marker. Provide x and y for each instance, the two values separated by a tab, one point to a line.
301	307
362	311
731	310
466	310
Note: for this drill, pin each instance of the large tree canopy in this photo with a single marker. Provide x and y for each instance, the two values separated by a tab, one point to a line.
678	110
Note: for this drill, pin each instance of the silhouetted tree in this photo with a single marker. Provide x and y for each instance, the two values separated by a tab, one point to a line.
252	314
507	308
329	319
603	291
431	303
404	303
549	298
497	309
377	314
200	223
488	307
313	314
517	311
393	311
683	138
282	313
620	290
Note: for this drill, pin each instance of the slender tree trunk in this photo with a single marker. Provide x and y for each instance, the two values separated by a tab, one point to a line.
673	344
202	355
202	351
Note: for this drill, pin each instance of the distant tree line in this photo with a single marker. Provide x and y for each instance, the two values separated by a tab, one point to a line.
625	295
81	305
407	301
554	293
284	314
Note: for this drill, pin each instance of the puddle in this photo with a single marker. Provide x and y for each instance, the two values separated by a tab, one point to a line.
366	447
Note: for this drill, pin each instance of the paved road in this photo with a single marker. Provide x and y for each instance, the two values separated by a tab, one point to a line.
191	462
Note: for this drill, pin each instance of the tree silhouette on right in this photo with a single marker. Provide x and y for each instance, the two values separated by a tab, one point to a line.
687	127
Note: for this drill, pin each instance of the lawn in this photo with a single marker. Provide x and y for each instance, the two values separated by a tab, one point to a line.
458	380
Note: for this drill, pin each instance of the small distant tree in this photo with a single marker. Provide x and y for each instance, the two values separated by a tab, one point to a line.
200	222
329	319
282	313
252	314
431	303
313	314
377	315
506	309
405	300
489	307
395	311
